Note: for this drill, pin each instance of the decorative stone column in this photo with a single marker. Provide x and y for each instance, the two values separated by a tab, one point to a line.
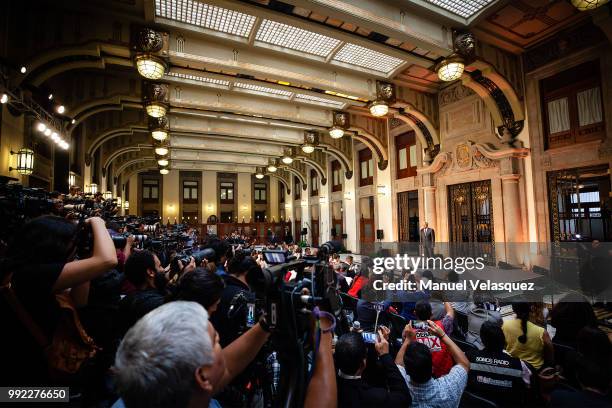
513	223
429	202
349	209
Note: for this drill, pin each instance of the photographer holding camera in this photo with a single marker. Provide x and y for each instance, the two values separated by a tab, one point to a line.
42	282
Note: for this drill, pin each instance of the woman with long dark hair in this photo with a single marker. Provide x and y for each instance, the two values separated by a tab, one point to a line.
40	265
526	340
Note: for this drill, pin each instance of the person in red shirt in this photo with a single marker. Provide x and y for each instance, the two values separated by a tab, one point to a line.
442	361
360	281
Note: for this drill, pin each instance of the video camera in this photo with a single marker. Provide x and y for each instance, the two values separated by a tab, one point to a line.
287	292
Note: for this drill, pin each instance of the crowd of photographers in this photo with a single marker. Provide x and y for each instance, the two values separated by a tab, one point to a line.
131	314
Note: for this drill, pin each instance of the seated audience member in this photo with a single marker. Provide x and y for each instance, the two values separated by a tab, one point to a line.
594	380
367	307
352	266
485	310
40	267
571	314
414	361
525	340
460	300
441	357
201	286
494	374
144	271
351	360
359	282
592	345
231	323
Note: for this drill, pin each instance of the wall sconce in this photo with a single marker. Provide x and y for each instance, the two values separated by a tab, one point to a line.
93	188
340	124
170	207
159	128
71	179
385	95
25	161
151	47
381	190
311	140
126	205
108	195
156	99
119	201
287	155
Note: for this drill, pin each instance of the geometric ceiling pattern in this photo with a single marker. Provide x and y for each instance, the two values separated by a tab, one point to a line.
283	37
236	85
463	8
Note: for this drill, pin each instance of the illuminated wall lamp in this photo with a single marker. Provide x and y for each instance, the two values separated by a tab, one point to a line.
126	205
71	179
93	188
25	161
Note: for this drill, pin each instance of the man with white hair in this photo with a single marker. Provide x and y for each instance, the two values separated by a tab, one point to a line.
172	358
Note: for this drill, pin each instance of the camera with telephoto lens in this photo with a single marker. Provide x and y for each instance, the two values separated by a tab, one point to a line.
288	293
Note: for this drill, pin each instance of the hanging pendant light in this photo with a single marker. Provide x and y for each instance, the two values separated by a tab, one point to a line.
287	157
379	108
584	5
161	150
164	171
385	96
340	124
311	139
451	68
259	173
156	99
150	46
163	162
150	66
272	166
156	109
159	128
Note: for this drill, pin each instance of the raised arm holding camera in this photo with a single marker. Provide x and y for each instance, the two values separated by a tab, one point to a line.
40	267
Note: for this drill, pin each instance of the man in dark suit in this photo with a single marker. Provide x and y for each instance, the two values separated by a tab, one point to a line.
427	237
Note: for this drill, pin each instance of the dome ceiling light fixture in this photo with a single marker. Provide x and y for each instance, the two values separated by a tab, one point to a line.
163	162
311	140
259	173
159	128
156	99
161	149
340	124
584	5
450	68
385	96
287	157
272	166
164	171
151	49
